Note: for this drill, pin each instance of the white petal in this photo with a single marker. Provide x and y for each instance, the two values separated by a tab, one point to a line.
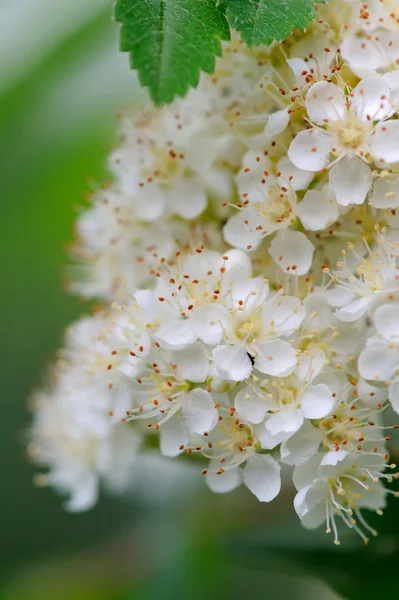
310	150
354	310
275	358
283	314
176	334
370	99
317	402
252	292
385	193
199	412
152	201
351	180
262	477
148	302
192	363
277	122
298	66
187	198
239	234
232	362
363	55
384	143
225	482
292	252
309	364
205	322
318	210
238	265
172	435
305	474
266	439
309	504
338	296
325	102
378	361
386	321
330	378
394	394
250	406
302	445
287	420
333	463
84	495
370	394
297	178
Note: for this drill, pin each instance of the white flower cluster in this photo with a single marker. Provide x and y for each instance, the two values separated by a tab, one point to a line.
245	259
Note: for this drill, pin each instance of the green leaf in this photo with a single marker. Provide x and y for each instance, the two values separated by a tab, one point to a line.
170	41
263	21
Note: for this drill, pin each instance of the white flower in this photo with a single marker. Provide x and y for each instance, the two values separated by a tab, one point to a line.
338	484
371	42
252	324
308	393
267	200
169	398
227	329
379	360
351	128
167	158
75	437
234	443
371	280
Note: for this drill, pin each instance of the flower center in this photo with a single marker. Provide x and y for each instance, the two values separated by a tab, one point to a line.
351	133
249	330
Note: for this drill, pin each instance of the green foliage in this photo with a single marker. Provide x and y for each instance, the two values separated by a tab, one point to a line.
170	41
263	21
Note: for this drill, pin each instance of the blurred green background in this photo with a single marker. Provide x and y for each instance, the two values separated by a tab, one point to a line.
62	82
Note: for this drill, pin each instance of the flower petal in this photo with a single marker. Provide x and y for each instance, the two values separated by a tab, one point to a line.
292	252
232	362
386	321
297	178
385	193
277	122
172	436
378	361
240	230
199	412
205	323
393	394
262	477
176	334
370	99
354	310
318	210
309	504
192	363
370	394
275	358
224	482
384	144
302	445
317	402
287	420
351	180
187	198
250	406
310	150
325	102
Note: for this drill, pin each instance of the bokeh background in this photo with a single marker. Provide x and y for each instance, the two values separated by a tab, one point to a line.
62	83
